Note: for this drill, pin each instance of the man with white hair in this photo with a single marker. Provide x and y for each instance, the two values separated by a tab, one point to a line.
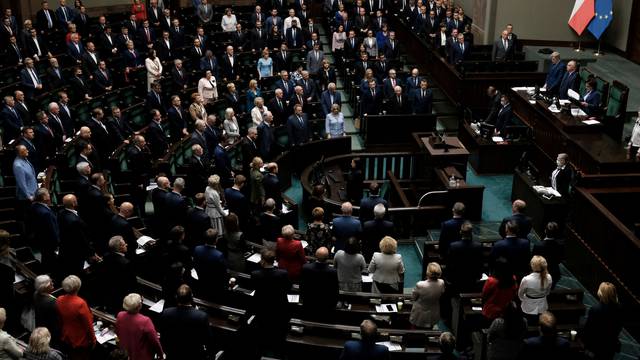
398	103
555	74
176	205
55	122
570	80
266	136
330	97
374	230
119	275
158	198
121	227
199	170
249	149
345	226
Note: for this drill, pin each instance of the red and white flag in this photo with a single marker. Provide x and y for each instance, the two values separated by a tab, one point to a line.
583	12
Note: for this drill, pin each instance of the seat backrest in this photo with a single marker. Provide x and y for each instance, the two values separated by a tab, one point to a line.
585	75
602	86
617	99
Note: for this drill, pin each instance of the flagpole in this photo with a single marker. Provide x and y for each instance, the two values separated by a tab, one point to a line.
578	49
598	52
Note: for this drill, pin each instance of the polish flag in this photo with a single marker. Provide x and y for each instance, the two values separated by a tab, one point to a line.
583	12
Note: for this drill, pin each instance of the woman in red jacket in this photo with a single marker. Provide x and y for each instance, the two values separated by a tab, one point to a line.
136	332
139	10
289	253
76	321
499	291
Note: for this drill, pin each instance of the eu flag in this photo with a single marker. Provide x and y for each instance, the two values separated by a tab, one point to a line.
604	16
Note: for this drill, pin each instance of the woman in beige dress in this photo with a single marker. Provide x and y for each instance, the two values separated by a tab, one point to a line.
214	204
425	312
196	109
154	68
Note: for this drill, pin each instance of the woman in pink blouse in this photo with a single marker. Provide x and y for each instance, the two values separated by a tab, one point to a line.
136	332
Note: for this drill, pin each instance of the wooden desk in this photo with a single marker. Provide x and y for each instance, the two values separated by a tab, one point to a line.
395	129
488	157
540	210
439	154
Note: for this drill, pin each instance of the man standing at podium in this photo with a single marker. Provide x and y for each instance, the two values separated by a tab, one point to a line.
562	175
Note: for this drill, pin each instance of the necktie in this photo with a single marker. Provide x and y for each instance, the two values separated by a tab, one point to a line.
64	12
393	82
49	22
506	44
331	98
178	112
177	30
300	120
462	47
104	73
373	93
293	32
34	77
15	114
364	65
279	104
199	51
126	38
399	101
146	30
18	52
423	94
57	119
49	130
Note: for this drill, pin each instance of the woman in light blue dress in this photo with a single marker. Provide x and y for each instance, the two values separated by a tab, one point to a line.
252	93
265	65
334	122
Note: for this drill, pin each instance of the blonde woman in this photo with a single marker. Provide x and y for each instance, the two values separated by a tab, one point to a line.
231	127
154	68
228	21
39	346
207	88
252	93
258	111
425	312
214	203
136	332
257	189
534	289
387	268
8	347
196	109
604	323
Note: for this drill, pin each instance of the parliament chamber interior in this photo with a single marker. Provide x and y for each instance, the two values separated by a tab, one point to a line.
319	179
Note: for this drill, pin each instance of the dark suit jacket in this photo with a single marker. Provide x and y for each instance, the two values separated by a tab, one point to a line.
11	123
465	265
457	55
371	104
222	162
319	289
211	135
153	103
157	140
602	328
265	140
73	51
398	107
179	80
593	100
249	150
505	118
367	204
41	20
237	203
499	53
139	161
43	226
271	184
88	64
239	40
185	332
524	225
34	155
422	104
53	80
119	279
359	350
569	81
298	133
80	87
517	253
289	90
101	81
75	246
449	233
283	63
373	231
554	76
549	348
211	266
563	180
119	129
258	41
176	206
177	121
270	302
130	60
120	226
345	227
198	222
325	101
198	174
228	71
553	251
32	50
294	42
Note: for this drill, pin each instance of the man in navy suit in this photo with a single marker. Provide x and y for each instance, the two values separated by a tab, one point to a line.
330	97
265	136
211	266
548	345
505	115
222	160
450	231
319	287
555	75
514	249
465	264
524	222
102	78
285	84
298	127
422	98
65	15
75	49
230	66
413	81
371	99
374	230
236	201
176	204
570	80
198	222
157	139
44	228
271	183
366	348
460	50
369	202
75	243
211	136
591	98
11	120
345	226
28	134
155	99
30	80
177	120
294	36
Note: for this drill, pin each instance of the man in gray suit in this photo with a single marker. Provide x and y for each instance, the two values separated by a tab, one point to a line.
502	48
205	12
314	59
26	181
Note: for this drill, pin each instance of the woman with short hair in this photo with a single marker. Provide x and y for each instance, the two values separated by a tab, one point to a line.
76	320
39	348
154	68
604	322
44	306
387	268
425	312
318	233
289	253
212	196
334	122
9	349
136	332
228	21
207	88
350	264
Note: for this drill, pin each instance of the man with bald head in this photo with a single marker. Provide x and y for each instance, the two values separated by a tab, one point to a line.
319	287
26	181
570	80
75	244
158	198
121	227
345	226
366	347
523	221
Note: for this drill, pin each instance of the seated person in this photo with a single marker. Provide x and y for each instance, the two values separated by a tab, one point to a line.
591	99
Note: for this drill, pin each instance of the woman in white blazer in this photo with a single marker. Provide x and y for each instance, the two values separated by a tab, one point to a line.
154	68
207	88
534	289
387	268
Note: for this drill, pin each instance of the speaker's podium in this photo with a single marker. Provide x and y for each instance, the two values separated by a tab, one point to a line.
443	150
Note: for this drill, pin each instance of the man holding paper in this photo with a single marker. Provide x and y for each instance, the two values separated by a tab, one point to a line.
562	175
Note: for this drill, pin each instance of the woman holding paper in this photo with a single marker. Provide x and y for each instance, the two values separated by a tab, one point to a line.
425	312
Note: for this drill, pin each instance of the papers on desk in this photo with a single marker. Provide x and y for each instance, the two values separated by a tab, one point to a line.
18	278
158	307
484	277
367	278
284	209
546	190
86	265
391	346
304	243
591	122
476	308
532	102
387	308
140	251
524	88
105	335
143	240
255	258
578	112
225	212
554	109
293	298
573	94
194	274
497	139
564	102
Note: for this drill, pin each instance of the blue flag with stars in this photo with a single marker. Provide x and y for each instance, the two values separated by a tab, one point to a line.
604	16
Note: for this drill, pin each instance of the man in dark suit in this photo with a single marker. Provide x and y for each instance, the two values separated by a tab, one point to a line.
155	99
11	120
65	15
126	41
230	66
450	231
27	140
398	103
298	127
177	34
514	249
330	97
294	36
177	118
504	118
258	37
139	162
555	74
198	222
75	243
82	20
590	101
237	203
45	19
179	76
157	138
278	107
552	249
271	184
176	205
146	36
212	135
570	80
524	222
368	203
319	287
464	261
422	99
211	267
36	48
502	48
118	127
249	149
45	139
43	228
13	53
239	38
265	136
562	176
121	227
199	170
30	80
165	47
270	304
158	199
365	348
185	330
460	50
374	230
100	136
119	277
351	46
548	345
371	100
55	76
345	226
102	78
285	84
389	84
